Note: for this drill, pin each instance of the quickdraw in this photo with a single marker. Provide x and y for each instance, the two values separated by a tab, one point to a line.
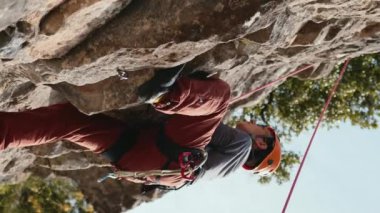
190	162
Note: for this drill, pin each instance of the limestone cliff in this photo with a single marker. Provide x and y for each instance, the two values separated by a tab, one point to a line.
95	53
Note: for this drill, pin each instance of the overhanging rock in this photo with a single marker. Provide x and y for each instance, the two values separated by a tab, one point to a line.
95	53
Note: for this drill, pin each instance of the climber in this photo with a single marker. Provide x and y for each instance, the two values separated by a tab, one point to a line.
196	105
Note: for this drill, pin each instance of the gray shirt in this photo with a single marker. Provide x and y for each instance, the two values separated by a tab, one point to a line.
228	150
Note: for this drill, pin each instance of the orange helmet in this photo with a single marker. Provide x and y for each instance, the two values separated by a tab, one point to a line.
272	161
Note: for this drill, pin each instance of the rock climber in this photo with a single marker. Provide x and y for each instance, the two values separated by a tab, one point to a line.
196	106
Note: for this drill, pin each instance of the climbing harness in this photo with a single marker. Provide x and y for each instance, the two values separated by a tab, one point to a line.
189	163
344	68
189	159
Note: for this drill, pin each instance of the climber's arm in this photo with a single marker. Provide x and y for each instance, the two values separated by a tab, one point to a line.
195	97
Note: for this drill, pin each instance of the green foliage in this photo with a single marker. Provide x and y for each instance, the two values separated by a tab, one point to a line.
37	195
295	106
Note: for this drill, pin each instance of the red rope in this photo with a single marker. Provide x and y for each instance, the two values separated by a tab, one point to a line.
246	95
315	131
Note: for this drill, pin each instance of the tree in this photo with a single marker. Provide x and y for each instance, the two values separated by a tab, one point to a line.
296	105
37	195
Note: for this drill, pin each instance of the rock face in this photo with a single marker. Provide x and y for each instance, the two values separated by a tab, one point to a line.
95	53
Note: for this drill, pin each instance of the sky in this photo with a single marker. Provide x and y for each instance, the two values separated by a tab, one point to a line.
340	174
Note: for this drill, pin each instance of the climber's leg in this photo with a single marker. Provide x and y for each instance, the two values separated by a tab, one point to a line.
61	121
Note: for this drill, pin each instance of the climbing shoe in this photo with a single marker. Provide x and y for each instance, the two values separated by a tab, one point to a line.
154	89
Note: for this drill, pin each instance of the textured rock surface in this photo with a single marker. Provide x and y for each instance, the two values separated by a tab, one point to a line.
95	53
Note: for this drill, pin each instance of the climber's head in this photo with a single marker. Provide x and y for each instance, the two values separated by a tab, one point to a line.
265	156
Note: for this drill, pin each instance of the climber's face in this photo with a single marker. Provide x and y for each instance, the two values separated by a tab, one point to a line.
258	134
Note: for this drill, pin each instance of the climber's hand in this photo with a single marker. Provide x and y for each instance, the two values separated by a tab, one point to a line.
145	180
173	181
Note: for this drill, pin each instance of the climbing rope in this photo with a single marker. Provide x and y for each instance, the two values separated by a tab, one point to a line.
344	68
246	95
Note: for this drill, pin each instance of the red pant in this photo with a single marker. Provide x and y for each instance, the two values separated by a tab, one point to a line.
197	106
52	123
